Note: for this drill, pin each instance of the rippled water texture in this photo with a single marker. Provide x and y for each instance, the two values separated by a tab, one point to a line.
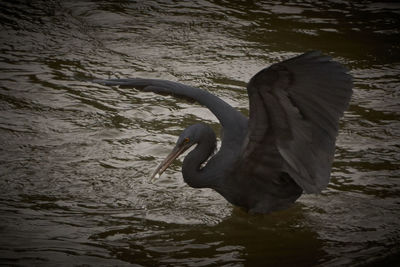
76	156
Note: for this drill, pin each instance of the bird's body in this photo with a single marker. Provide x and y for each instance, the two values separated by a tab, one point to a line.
285	147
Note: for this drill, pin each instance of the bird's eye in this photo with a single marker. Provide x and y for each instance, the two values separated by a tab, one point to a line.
186	140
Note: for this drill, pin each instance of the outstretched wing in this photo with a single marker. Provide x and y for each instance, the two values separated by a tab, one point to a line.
295	106
230	118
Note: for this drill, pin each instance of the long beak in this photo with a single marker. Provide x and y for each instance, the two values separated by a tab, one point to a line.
178	150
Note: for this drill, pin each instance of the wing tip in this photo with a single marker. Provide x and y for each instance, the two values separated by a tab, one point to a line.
137	83
99	81
109	81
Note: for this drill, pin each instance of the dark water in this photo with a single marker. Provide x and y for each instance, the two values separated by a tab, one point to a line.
76	157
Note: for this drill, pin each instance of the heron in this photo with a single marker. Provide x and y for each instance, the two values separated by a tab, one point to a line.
284	148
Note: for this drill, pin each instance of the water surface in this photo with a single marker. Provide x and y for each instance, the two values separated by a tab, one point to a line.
76	156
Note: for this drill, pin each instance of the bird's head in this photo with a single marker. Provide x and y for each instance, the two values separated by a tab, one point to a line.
188	138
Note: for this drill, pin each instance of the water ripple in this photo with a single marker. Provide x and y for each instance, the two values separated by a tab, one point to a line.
76	156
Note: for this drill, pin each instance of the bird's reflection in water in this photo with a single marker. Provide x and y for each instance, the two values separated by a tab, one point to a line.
277	239
282	237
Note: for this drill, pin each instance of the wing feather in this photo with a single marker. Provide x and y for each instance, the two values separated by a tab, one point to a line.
304	97
228	116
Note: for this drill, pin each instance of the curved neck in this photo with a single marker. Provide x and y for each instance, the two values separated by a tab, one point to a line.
193	173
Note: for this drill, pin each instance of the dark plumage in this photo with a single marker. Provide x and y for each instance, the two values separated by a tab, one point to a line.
285	147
